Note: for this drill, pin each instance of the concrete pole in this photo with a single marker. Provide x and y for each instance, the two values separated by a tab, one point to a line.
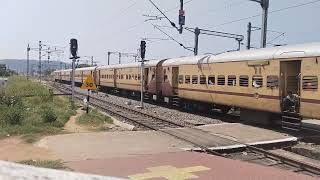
109	53
265	7
72	78
28	61
249	36
40	49
196	46
119	58
142	83
92	61
181	10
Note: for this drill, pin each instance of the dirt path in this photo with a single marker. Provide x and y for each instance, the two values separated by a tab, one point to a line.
72	126
14	149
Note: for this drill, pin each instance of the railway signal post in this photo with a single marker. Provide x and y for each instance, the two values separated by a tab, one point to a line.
142	54
74	57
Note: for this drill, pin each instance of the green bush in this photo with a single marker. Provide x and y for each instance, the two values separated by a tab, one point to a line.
48	115
14	115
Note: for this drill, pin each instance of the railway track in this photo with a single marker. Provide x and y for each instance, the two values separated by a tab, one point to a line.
251	154
270	159
141	120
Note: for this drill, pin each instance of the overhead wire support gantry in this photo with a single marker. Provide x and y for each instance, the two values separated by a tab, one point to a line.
134	55
48	50
197	31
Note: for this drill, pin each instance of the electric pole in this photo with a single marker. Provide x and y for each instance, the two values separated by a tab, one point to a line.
109	53
196	44
28	60
92	61
119	58
249	35
265	7
40	49
182	18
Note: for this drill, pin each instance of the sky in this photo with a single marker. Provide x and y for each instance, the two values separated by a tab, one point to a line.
119	25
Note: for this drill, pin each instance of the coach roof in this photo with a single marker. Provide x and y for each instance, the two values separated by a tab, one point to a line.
131	65
86	69
280	52
186	60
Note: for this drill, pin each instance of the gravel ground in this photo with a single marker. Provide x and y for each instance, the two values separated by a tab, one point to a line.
307	149
163	112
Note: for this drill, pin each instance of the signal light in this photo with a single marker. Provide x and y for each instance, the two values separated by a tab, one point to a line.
74	47
143	49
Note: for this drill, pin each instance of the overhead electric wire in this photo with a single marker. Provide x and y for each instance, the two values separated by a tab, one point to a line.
172	38
171	22
274	11
138	24
277	37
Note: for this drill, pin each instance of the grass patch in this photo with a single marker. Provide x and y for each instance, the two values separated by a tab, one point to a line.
58	164
94	119
31	117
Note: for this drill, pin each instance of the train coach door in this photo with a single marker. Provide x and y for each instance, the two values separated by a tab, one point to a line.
175	74
290	79
98	77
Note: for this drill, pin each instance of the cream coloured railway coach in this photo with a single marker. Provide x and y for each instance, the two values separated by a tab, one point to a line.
65	75
82	73
127	77
253	79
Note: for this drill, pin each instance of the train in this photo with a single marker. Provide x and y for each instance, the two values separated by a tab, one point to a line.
255	80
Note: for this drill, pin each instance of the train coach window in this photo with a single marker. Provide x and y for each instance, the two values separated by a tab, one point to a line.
139	77
211	80
272	81
310	83
194	79
203	79
244	81
187	79
221	80
232	80
165	78
153	77
180	79
257	81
